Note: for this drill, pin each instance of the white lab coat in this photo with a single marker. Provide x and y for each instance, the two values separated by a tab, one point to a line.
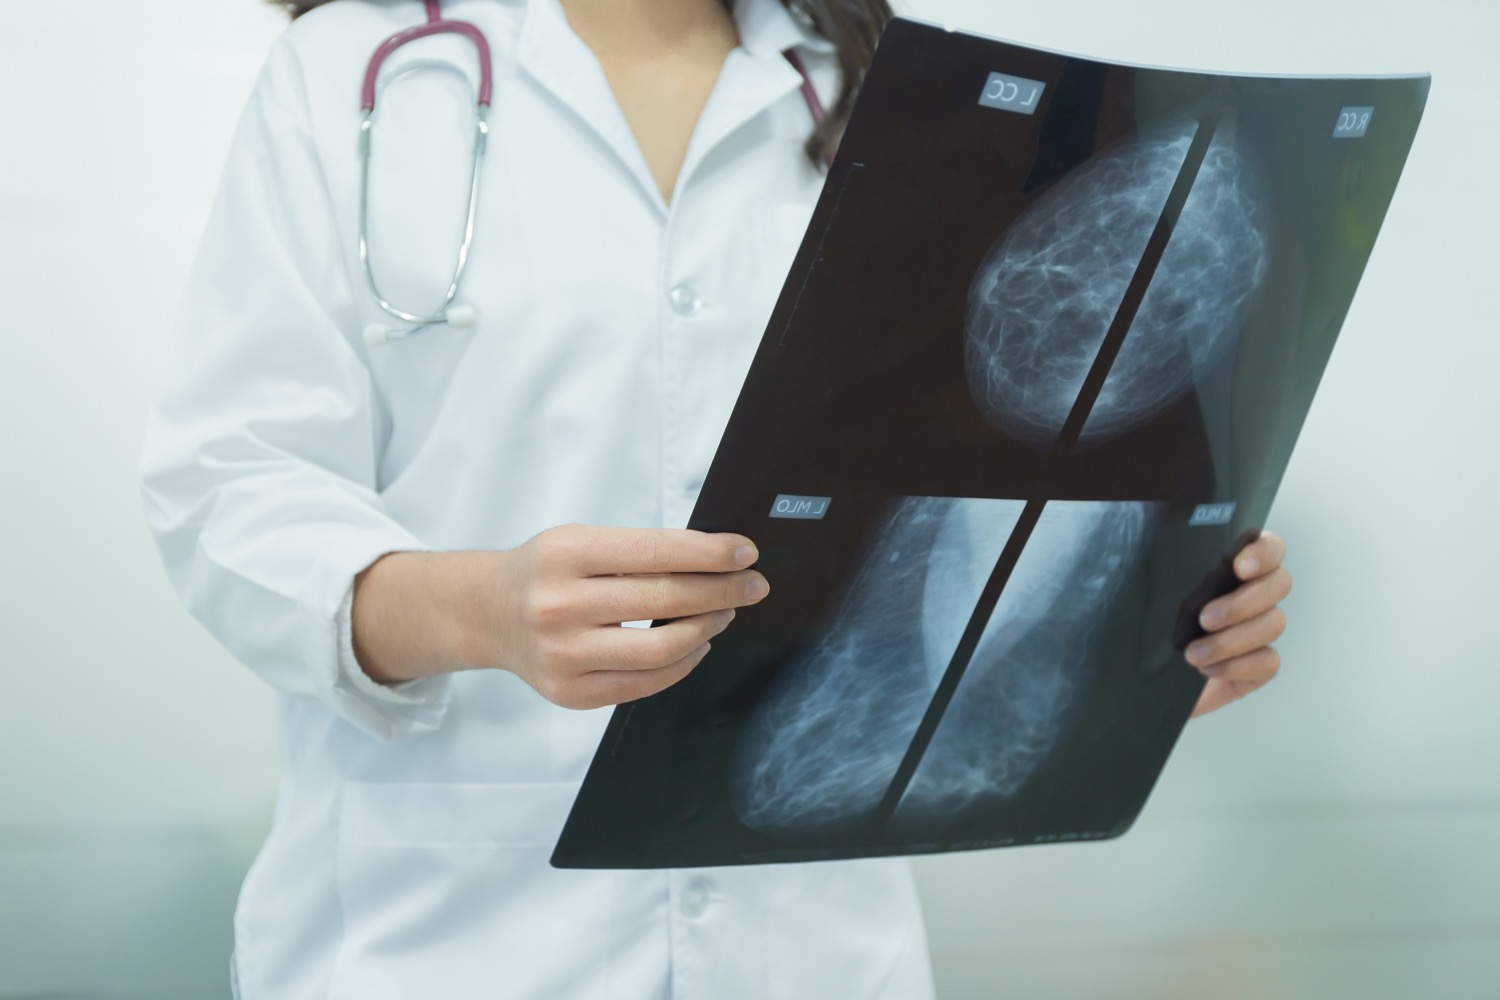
408	854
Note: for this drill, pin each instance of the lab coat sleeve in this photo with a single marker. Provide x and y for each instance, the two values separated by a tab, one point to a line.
406	693
259	467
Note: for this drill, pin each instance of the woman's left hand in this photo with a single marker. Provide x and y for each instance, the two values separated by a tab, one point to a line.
1236	655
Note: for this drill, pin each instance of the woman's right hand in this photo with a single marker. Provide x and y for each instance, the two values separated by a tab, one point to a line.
550	610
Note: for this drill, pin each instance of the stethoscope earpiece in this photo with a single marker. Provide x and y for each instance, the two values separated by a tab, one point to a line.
459	317
378	335
462	316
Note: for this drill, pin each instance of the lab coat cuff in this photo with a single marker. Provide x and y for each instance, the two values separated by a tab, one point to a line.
387	713
414	693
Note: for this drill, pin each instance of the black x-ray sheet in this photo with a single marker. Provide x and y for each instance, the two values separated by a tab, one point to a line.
1035	374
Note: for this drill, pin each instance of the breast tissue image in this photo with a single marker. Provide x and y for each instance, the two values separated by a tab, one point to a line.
1011	706
821	749
1045	295
820	753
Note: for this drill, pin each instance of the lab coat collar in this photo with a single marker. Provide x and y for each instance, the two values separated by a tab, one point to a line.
753	78
556	58
748	85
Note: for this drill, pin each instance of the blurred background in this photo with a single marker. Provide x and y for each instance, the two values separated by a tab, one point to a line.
1337	837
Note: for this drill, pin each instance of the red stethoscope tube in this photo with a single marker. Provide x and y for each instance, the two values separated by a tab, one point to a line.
435	25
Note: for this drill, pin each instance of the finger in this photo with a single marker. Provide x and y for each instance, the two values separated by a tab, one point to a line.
1237	640
616	687
671	595
609	551
1237	678
1247	600
614	649
1260	557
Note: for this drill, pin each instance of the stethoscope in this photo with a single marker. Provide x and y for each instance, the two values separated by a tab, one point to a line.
447	313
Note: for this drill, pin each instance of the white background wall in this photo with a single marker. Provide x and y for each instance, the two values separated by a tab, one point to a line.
1337	837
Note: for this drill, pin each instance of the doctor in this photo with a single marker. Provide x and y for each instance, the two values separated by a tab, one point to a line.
373	527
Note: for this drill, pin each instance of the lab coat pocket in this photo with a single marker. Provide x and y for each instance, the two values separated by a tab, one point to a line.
447	892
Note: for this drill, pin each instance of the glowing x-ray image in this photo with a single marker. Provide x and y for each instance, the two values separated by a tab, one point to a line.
1012	703
823	746
1042	362
1046	293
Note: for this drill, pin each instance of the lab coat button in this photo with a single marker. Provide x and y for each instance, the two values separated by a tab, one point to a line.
684	300
693	903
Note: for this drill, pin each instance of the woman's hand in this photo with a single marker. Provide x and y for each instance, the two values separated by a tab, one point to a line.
1236	656
562	597
550	610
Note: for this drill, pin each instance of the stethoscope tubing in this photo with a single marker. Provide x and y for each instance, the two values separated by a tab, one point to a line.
446	312
481	143
369	91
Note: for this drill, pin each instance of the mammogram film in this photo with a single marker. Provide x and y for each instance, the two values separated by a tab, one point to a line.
1012	704
823	746
1045	370
1046	293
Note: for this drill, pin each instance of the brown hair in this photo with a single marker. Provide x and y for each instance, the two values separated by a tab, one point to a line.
853	26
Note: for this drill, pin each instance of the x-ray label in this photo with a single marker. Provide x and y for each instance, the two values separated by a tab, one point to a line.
1353	123
1212	513
800	508
1012	93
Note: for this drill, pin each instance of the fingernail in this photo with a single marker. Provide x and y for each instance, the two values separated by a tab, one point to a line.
757	588
1197	652
745	555
1211	618
1213	671
1247	566
725	617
